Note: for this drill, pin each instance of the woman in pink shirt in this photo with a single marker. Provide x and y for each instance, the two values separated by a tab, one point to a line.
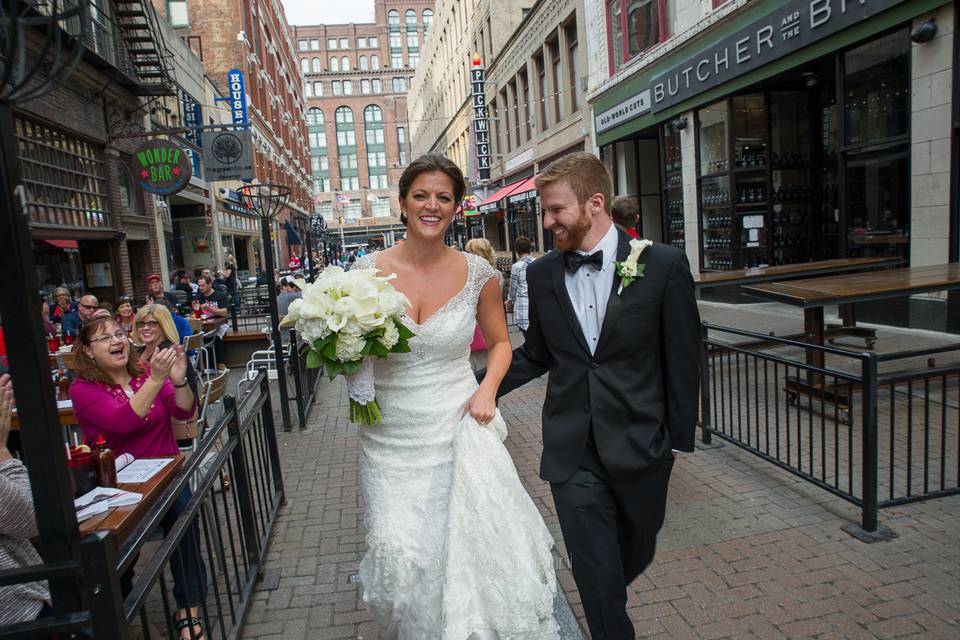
131	405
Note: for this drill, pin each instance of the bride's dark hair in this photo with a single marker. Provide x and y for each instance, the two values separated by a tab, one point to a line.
427	164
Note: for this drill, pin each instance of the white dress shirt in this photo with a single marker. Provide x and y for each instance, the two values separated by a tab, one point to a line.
589	289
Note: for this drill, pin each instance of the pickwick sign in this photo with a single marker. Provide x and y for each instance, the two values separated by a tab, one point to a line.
161	167
788	29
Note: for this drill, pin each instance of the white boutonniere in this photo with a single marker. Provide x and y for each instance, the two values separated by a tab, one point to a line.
629	270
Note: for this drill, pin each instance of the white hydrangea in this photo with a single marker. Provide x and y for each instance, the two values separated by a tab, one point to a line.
349	347
390	335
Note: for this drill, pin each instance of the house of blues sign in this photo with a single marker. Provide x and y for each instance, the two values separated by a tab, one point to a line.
161	167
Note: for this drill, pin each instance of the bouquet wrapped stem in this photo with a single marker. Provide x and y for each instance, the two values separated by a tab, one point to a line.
347	318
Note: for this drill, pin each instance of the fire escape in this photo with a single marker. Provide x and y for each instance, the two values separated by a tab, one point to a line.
149	60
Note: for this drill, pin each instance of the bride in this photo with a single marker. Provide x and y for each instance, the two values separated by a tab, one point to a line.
456	548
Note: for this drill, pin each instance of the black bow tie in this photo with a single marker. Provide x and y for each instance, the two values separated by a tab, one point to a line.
574	260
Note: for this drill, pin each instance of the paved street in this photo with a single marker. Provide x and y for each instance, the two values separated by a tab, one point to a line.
747	551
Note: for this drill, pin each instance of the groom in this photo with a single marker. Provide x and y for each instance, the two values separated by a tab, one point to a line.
623	384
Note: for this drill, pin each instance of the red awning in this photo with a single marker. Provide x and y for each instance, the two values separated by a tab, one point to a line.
63	244
501	193
526	185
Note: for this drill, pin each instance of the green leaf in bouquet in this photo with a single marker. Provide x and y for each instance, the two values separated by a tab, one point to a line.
350	368
367	348
400	347
333	369
329	350
320	343
378	350
314	361
405	333
376	333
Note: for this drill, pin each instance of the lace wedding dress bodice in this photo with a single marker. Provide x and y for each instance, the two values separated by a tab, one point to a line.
456	547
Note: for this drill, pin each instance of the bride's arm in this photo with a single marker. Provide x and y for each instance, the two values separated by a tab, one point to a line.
493	323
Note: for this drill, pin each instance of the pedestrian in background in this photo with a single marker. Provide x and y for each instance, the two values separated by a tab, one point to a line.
478	348
517	291
625	211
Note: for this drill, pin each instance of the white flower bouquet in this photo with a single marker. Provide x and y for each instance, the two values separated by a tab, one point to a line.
346	317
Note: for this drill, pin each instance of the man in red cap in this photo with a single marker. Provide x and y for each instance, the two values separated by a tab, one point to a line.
158	295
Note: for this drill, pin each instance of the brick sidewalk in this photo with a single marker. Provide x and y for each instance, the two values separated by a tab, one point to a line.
748	551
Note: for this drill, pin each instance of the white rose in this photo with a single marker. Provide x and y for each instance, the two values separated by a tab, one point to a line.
629	269
390	335
349	347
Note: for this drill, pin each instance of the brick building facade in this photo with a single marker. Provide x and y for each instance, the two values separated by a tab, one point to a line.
254	37
356	78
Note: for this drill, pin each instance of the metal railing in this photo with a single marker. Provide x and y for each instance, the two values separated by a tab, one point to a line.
839	425
211	552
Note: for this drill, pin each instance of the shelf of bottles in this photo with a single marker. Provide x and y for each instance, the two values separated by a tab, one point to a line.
716	202
672	188
791	185
751	156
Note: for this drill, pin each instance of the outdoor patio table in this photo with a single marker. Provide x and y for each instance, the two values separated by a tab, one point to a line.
120	521
813	294
67	417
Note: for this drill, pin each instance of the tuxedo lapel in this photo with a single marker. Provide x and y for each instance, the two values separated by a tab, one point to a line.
563	299
614	302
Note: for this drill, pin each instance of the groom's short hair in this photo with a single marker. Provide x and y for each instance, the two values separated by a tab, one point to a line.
583	173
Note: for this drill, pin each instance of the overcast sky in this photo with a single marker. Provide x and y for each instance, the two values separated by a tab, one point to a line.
328	11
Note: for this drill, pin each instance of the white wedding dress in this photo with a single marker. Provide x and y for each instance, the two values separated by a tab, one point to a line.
456	548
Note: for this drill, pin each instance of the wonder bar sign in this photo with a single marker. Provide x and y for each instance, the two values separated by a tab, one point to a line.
161	167
784	31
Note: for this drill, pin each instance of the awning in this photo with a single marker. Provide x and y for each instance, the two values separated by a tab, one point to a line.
293	238
67	245
526	191
493	202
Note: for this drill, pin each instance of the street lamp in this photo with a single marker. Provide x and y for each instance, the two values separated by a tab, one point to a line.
266	201
40	46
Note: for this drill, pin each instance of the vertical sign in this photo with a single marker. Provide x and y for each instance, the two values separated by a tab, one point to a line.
238	98
481	118
193	120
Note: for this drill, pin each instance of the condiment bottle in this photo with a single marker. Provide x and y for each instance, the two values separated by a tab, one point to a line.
63	386
106	465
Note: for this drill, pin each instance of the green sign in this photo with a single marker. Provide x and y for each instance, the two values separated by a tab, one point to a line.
162	167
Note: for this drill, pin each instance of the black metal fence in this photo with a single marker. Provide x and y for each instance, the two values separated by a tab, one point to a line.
201	544
830	416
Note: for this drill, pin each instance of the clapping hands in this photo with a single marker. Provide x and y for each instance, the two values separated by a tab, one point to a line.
169	363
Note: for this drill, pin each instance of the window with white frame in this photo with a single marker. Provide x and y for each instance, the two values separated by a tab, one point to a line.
377	86
399	85
331	43
634	26
318	88
302	45
315	44
372	41
304	65
337	87
317	67
364	64
375	63
361	43
348	87
334	64
345	63
365	87
344	43
396	61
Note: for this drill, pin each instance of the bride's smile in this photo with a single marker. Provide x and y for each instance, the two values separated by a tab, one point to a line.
430	205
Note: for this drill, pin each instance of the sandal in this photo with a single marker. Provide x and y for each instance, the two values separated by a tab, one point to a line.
185	623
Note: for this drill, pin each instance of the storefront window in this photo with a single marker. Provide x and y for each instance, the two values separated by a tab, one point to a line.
878	193
791	182
672	187
717	216
750	157
877	89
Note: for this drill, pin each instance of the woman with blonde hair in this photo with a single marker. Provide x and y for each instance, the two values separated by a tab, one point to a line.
478	348
154	329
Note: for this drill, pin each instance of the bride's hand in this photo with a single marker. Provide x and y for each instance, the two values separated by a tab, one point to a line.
482	405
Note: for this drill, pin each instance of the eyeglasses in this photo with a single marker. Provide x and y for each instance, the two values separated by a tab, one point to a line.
149	324
89	307
106	339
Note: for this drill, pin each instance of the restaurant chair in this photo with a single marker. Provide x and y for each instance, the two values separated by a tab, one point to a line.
196	325
215	389
194	343
68	360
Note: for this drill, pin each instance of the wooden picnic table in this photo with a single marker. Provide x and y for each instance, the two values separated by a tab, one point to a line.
119	522
67	418
813	294
790	271
212	323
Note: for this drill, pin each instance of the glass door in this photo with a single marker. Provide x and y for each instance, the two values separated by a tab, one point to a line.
791	187
750	173
672	177
716	215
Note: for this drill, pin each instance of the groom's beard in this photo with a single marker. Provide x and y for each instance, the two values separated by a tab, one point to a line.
575	233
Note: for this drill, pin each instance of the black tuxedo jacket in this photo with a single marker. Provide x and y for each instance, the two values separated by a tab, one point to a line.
639	391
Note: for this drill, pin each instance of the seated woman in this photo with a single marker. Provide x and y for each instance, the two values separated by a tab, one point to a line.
125	314
18	523
155	330
131	405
